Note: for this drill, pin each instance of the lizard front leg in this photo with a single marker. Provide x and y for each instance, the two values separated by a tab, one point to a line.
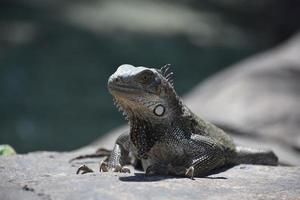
209	155
203	154
119	156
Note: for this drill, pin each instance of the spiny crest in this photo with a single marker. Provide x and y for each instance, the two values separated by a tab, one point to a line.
165	71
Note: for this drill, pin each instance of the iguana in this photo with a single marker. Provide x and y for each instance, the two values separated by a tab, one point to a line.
167	137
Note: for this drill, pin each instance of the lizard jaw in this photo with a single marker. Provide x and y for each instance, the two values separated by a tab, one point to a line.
122	88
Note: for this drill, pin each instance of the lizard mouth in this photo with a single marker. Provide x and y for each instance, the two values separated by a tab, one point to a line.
123	88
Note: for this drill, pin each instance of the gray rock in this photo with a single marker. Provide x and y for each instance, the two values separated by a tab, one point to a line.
259	97
48	175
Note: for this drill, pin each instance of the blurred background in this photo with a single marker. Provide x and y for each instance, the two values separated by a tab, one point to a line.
56	56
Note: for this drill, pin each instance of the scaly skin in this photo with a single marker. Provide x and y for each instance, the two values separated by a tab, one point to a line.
164	134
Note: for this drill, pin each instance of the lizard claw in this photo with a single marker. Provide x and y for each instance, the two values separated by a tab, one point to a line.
118	168
85	169
125	170
190	172
103	166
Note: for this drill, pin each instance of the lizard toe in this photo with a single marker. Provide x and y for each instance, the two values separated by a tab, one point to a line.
103	166
190	172
125	170
84	169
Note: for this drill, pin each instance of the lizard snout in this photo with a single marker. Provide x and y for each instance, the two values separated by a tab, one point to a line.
113	80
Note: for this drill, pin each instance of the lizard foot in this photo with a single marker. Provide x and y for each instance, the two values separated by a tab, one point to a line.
85	169
118	168
190	172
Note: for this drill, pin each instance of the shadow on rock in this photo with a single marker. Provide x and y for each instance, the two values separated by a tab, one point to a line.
142	177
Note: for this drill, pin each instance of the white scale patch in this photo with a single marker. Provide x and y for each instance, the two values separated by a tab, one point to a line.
159	110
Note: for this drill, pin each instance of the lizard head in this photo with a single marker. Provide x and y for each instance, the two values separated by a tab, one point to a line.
144	92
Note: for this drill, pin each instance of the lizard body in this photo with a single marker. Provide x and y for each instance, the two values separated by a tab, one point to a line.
164	134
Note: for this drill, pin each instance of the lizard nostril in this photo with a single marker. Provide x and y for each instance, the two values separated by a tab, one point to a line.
117	80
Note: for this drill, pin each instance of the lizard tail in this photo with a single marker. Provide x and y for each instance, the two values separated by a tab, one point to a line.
245	155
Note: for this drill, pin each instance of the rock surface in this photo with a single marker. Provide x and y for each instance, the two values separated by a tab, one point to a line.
258	98
48	175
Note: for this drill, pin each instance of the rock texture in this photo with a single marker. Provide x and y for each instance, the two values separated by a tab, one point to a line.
48	175
258	98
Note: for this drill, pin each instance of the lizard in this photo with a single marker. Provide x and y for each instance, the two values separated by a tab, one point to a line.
165	135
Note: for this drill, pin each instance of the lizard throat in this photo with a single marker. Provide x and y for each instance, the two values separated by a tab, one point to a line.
144	135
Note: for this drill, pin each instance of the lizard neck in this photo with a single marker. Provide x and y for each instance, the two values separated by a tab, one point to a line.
145	131
144	134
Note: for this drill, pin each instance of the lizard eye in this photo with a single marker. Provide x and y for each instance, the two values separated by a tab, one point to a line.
146	77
